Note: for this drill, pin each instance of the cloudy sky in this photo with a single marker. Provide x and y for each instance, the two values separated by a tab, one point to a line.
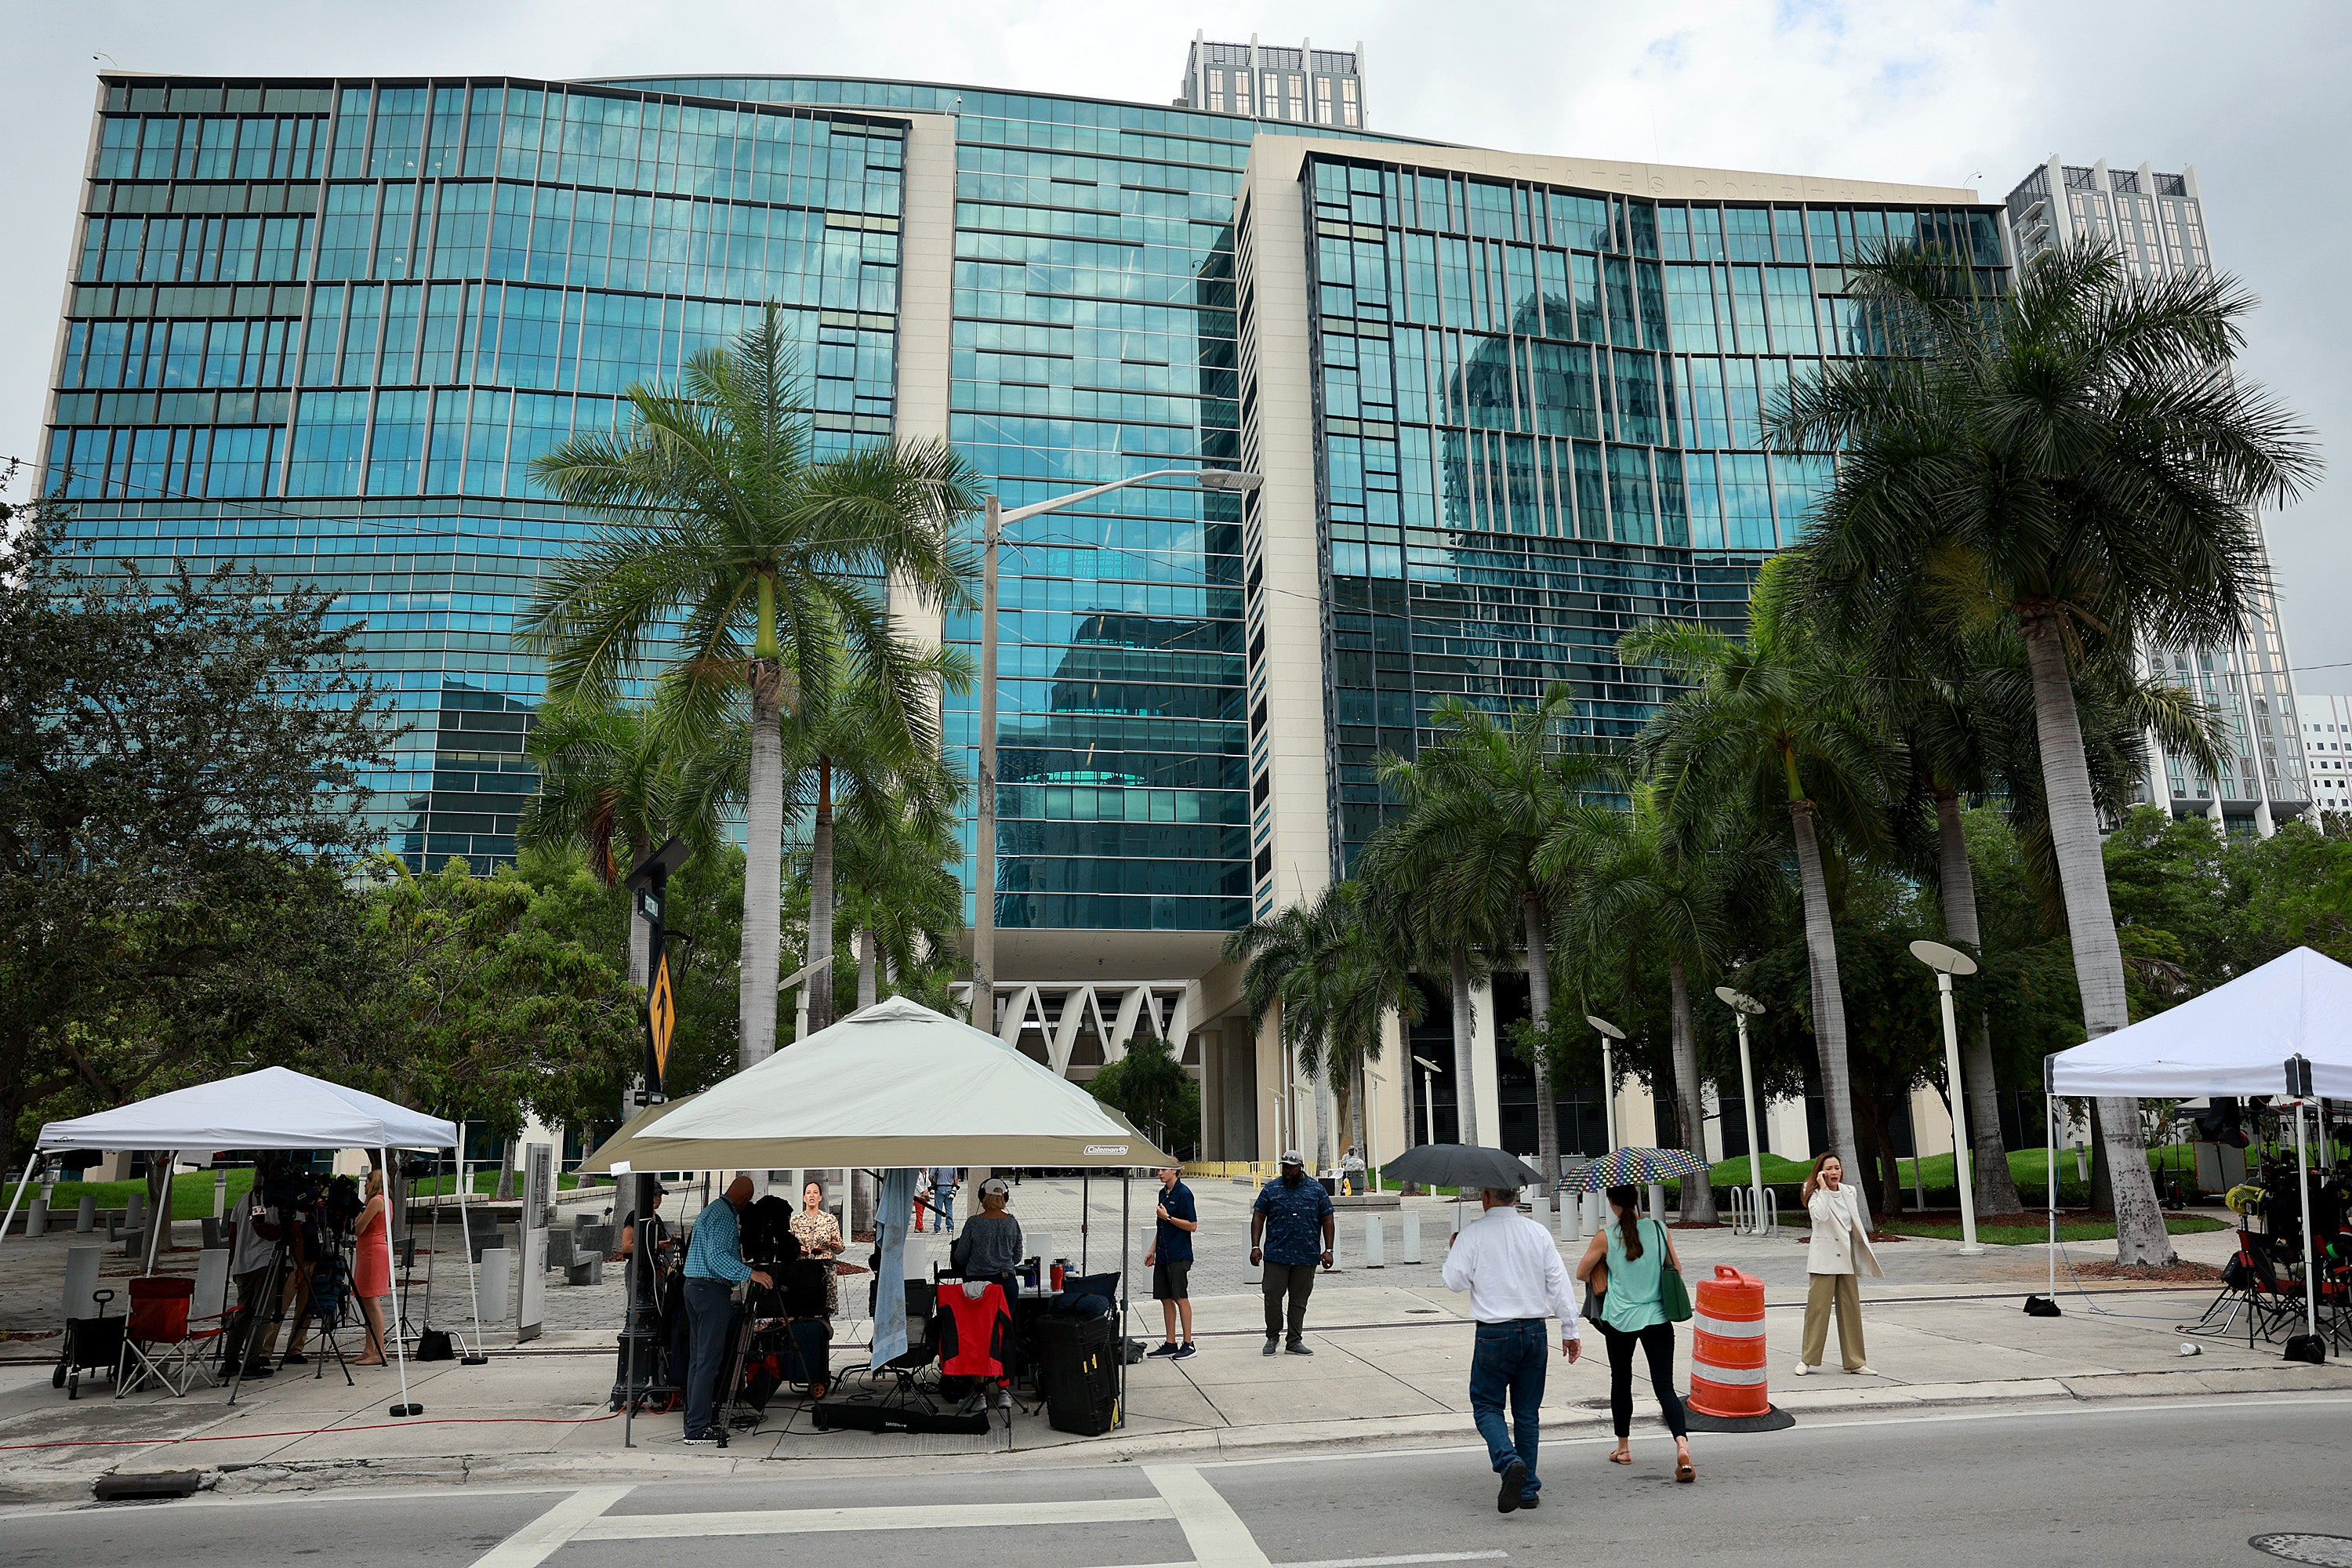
1938	93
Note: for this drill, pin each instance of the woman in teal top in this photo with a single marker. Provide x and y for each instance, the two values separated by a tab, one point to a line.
1622	1264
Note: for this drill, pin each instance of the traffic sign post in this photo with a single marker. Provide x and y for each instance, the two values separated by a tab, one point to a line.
650	882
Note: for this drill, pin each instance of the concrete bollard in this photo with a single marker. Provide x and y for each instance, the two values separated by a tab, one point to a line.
1658	1202
134	1211
81	1278
86	1213
37	1217
1570	1212
1376	1243
497	1293
1412	1250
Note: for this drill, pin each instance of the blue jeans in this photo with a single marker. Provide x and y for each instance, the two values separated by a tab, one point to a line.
1509	1360
709	1312
945	1204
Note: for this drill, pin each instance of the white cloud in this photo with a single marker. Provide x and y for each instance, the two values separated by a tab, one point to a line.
1929	93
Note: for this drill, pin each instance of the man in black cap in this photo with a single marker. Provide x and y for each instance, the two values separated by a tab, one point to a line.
1285	1219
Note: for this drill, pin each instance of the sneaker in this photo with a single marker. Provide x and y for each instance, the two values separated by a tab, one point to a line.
1800	1370
1272	1345
296	1358
1514	1482
1530	1500
1167	1348
261	1372
1863	1371
704	1437
1184	1351
1298	1347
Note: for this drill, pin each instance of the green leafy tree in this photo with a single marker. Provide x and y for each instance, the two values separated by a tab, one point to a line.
748	570
2075	457
175	756
1151	1086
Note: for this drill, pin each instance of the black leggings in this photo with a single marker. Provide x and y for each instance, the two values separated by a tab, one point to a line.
1658	1338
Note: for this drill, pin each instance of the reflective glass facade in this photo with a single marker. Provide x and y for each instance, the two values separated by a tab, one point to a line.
321	328
1539	425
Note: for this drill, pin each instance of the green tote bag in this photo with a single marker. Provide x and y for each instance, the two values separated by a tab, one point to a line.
1673	1299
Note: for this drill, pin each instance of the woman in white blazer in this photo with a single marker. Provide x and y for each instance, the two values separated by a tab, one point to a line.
1840	1251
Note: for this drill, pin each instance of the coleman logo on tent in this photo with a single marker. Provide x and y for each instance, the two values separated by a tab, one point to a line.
1106	1149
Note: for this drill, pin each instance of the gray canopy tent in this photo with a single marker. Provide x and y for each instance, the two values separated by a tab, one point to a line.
274	1109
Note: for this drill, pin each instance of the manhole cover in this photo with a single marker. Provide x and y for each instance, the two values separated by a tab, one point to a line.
2328	1551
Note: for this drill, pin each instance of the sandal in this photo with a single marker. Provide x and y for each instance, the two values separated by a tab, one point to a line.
1622	1457
1683	1470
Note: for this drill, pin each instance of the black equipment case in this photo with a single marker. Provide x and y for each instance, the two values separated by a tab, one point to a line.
1079	1364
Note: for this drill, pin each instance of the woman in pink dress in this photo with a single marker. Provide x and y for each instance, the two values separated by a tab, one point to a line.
372	1268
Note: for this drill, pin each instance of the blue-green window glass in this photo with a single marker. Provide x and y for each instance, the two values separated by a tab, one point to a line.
1591	493
362	320
345	228
1623	328
330	436
1690	305
397	449
1590	325
1748	233
1746	287
1746	503
351	133
1789	303
1632	517
399	133
396	231
322	341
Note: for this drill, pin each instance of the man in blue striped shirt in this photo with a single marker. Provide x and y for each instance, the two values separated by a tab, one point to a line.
714	1267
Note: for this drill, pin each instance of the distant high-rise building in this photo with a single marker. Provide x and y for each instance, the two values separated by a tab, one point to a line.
2326	736
2156	221
1305	85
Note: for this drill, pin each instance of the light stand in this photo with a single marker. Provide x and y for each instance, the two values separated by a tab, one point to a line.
1743	1007
1947	962
1428	1099
1608	1033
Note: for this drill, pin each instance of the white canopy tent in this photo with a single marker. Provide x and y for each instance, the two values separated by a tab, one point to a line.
2246	1037
892	1084
275	1107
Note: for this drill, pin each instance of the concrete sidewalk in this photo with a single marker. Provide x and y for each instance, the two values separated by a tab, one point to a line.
1390	1368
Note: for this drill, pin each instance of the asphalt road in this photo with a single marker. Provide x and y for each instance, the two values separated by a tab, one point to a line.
2143	1482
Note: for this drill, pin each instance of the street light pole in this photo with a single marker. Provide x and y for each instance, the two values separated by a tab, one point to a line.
1609	1032
1428	1099
1741	1006
1947	962
983	925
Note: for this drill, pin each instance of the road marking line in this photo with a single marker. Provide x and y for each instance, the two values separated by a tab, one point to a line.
823	1520
1400	1561
1215	1532
535	1542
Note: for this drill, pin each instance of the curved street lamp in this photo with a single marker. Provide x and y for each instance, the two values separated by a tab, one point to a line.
1609	1032
1947	962
1744	1006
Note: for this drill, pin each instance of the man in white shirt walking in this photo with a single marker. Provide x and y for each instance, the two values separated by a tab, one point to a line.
1515	1278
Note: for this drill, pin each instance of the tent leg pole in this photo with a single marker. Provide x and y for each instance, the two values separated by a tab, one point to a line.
642	1238
160	1219
466	1233
1126	1183
392	1263
32	1163
2049	1126
1085	1212
2303	1180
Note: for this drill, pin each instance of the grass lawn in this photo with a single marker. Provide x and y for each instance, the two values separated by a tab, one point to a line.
2033	1235
191	1195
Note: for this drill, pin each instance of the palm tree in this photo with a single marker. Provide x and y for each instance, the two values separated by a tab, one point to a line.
1638	884
744	566
615	782
1483	798
904	903
839	757
1772	724
2075	458
1271	951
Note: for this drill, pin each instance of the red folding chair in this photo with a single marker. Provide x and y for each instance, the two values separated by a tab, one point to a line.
159	1344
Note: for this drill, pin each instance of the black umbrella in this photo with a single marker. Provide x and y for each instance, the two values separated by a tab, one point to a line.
1459	1165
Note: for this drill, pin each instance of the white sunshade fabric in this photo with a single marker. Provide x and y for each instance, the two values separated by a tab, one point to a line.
893	1085
2235	1039
275	1108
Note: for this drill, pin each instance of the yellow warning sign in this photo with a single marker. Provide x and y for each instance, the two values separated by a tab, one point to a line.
661	1013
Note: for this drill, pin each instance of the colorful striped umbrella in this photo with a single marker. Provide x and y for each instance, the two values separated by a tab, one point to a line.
1634	1168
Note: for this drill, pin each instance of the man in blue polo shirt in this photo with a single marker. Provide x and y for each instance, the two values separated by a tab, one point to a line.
1169	1259
714	1267
1289	1213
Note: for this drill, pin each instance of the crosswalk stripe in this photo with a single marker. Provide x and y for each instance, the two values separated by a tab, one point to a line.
1218	1537
823	1520
535	1542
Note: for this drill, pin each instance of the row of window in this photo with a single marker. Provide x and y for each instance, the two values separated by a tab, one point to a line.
1284	95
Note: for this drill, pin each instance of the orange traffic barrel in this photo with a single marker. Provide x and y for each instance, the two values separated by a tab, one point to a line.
1728	1346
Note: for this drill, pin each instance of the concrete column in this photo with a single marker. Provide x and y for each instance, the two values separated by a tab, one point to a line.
1485	1065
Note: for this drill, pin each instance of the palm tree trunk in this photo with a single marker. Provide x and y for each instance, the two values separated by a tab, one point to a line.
864	940
763	870
1829	997
1319	1089
1466	1107
1699	1193
1343	1090
1356	1112
819	921
1539	1008
1996	1188
2140	1235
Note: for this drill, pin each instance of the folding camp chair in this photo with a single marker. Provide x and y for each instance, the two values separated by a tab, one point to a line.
2272	1303
159	1344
